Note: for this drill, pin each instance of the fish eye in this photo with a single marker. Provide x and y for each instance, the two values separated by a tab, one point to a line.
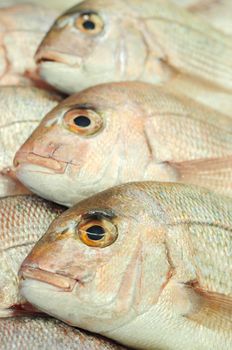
89	23
84	122
97	232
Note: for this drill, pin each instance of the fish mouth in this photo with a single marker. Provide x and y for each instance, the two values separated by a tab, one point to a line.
57	280
30	158
50	56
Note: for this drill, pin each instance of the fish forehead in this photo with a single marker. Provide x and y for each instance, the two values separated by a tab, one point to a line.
109	6
167	204
136	8
175	196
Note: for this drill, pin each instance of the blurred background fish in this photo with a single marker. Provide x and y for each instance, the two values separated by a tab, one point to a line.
158	42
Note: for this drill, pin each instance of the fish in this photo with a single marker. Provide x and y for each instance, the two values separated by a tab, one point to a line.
22	27
164	44
23	220
46	333
122	132
147	264
21	111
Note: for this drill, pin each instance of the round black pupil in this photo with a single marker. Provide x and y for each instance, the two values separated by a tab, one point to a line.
82	121
95	232
89	25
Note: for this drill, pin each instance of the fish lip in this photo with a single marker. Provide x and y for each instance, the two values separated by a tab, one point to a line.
24	158
49	56
62	282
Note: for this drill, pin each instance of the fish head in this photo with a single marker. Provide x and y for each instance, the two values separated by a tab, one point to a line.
83	146
102	263
95	42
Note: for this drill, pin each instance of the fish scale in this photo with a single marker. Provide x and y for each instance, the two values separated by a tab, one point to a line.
46	333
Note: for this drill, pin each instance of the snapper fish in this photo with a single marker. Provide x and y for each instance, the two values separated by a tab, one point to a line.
122	132
146	264
156	41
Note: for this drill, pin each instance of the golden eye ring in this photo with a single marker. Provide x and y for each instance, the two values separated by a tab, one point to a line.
84	122
89	23
98	233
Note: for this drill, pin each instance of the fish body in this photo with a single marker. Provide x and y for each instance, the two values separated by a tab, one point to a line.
122	132
23	220
47	333
164	44
146	264
22	27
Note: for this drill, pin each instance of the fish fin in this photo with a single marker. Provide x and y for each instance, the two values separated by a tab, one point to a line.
25	309
166	141
215	173
206	308
9	184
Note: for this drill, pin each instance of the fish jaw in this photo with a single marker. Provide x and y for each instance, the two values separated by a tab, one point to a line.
38	179
62	76
66	306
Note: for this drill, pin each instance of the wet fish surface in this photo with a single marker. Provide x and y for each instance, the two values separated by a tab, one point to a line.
123	132
22	27
164	44
23	220
146	264
48	334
